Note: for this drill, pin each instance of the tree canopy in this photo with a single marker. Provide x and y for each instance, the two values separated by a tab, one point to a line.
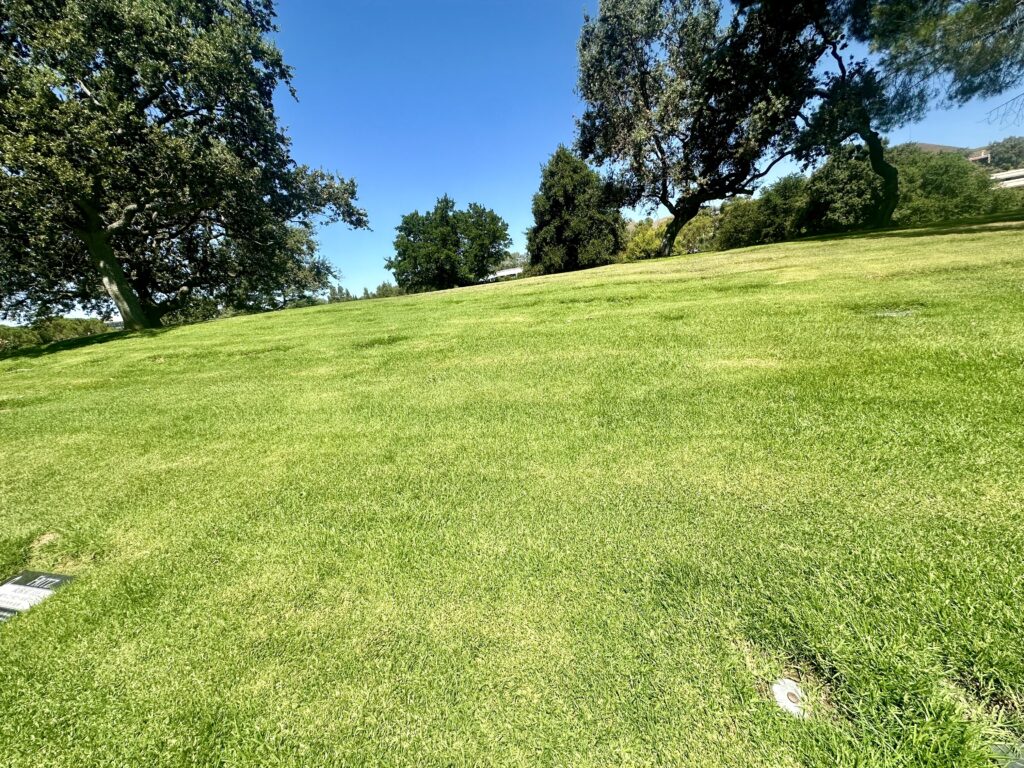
962	49
448	248
143	164
842	195
955	49
1008	154
685	107
576	217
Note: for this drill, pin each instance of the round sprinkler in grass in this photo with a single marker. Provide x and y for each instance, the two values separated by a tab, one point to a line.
790	696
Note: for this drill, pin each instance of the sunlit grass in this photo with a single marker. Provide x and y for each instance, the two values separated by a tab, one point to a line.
576	520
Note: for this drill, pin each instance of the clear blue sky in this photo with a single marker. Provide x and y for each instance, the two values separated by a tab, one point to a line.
416	99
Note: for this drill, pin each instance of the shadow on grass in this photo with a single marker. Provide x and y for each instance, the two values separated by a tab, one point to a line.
961	228
79	343
1002	222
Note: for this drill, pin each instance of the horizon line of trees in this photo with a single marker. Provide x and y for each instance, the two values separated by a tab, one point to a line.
157	181
693	101
841	194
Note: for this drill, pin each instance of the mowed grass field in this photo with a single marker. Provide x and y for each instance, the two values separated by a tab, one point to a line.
580	520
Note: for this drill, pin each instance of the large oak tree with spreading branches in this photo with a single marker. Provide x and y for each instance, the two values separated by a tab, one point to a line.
684	106
142	165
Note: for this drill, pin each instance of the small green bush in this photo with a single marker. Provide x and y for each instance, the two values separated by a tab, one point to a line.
644	237
12	338
643	240
940	187
47	331
697	235
742	222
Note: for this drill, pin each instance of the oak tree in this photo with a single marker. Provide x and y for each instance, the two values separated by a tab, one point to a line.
448	248
142	164
685	107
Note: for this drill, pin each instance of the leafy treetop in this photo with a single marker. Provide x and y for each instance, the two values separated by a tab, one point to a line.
685	107
448	248
143	163
576	216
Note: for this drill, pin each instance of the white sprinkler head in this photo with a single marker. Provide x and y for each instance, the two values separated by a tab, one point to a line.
790	696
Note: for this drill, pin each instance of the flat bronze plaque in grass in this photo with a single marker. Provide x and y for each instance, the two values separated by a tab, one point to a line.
28	588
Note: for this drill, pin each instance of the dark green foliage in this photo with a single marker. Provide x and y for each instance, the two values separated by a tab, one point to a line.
784	204
383	291
850	95
53	329
199	310
577	223
960	49
484	240
940	187
844	193
143	165
842	196
1008	154
427	250
742	222
933	188
48	330
687	107
447	248
15	337
963	48
778	214
337	294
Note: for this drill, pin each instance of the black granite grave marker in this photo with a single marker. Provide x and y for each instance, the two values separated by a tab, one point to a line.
28	588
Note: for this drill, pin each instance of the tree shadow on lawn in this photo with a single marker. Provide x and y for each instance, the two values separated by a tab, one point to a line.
960	228
1002	222
79	343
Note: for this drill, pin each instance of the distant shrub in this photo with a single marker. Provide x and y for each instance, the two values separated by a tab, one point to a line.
12	337
383	291
61	328
697	235
644	237
784	208
843	193
742	222
198	310
47	331
934	187
940	187
1008	154
1007	200
643	240
304	301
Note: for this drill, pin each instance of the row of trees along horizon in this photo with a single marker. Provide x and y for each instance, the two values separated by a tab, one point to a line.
144	169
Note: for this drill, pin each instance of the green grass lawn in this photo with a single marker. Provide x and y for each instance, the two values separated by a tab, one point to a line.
578	520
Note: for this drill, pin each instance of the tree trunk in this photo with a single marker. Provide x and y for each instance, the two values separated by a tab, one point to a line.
114	279
681	214
889	174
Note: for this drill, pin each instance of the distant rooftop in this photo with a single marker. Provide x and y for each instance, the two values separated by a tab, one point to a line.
503	274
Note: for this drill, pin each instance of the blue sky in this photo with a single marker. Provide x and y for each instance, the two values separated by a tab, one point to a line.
468	98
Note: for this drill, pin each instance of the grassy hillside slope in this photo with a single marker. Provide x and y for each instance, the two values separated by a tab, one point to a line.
577	520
